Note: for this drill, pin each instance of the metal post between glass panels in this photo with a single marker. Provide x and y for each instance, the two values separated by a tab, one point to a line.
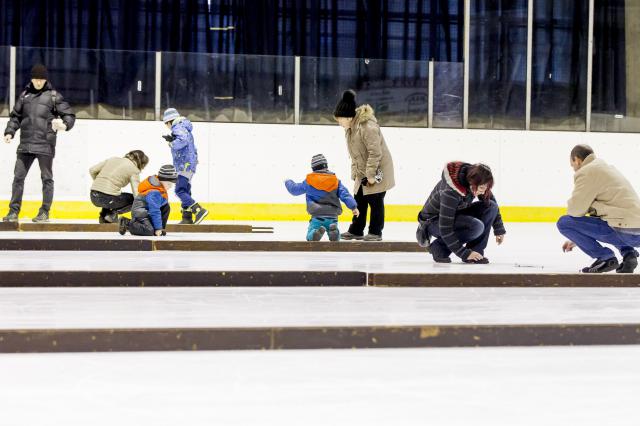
158	94
465	101
589	65
296	93
430	102
12	77
527	117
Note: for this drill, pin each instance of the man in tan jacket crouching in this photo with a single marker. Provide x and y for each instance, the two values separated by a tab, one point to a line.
605	208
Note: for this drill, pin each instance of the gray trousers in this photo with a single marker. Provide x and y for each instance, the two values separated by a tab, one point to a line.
23	164
144	227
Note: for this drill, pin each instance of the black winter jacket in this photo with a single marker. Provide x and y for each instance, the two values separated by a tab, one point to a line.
33	113
451	195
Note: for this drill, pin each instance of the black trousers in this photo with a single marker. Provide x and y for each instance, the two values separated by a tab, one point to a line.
376	224
112	203
144	227
23	164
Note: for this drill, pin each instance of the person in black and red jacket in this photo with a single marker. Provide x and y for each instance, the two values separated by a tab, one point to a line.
458	223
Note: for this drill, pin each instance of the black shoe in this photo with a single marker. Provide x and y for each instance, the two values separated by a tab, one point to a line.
123	225
10	217
199	212
629	263
334	234
111	218
187	217
441	259
372	237
483	261
318	234
349	236
600	266
42	217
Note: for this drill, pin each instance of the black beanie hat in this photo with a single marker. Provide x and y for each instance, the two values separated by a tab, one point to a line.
346	107
39	72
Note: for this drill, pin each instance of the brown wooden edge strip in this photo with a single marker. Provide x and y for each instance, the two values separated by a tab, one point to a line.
181	278
95	227
502	280
77	244
287	246
347	337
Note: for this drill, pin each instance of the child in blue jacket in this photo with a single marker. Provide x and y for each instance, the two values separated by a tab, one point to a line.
185	160
150	209
324	193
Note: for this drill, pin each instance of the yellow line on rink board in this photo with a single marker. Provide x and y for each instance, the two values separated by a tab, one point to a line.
277	212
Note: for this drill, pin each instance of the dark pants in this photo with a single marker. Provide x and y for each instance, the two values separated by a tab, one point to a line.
23	164
111	204
144	227
472	226
588	232
376	224
183	191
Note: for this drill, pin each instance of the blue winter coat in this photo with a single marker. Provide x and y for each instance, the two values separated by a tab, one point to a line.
183	148
324	193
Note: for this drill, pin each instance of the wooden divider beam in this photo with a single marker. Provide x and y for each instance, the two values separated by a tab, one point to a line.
181	278
340	337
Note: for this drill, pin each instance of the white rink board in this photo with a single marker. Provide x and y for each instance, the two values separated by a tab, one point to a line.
247	163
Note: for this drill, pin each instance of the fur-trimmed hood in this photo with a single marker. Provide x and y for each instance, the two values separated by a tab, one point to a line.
364	113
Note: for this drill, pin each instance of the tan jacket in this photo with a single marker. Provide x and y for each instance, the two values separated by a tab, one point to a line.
368	151
601	190
110	176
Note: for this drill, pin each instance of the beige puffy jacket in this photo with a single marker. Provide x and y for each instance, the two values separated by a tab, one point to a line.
601	190
368	151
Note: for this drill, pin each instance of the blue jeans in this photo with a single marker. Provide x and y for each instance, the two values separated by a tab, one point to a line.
183	191
472	226
588	232
320	222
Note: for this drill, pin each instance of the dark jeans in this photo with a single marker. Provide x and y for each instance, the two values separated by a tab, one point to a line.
472	226
376	224
144	227
112	203
587	233
183	191
23	164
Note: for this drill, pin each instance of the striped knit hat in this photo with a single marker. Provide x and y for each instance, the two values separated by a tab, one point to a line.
318	162
168	173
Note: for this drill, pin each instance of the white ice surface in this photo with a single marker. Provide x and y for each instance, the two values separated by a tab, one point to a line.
586	386
298	306
528	248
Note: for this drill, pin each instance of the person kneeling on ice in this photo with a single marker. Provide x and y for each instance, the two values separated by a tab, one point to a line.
324	193
109	177
185	160
459	224
605	208
150	210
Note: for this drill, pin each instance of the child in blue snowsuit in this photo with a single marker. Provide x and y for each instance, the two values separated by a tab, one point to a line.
185	160
324	193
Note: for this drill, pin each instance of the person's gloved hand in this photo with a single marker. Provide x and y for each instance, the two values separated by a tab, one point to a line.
57	124
169	138
7	138
161	233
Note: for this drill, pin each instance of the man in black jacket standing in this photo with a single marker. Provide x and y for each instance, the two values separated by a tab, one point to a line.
40	112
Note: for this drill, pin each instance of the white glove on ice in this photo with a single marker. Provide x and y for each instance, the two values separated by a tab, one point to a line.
57	124
7	138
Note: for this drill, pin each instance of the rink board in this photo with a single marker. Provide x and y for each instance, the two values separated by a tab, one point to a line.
113	228
346	337
304	278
